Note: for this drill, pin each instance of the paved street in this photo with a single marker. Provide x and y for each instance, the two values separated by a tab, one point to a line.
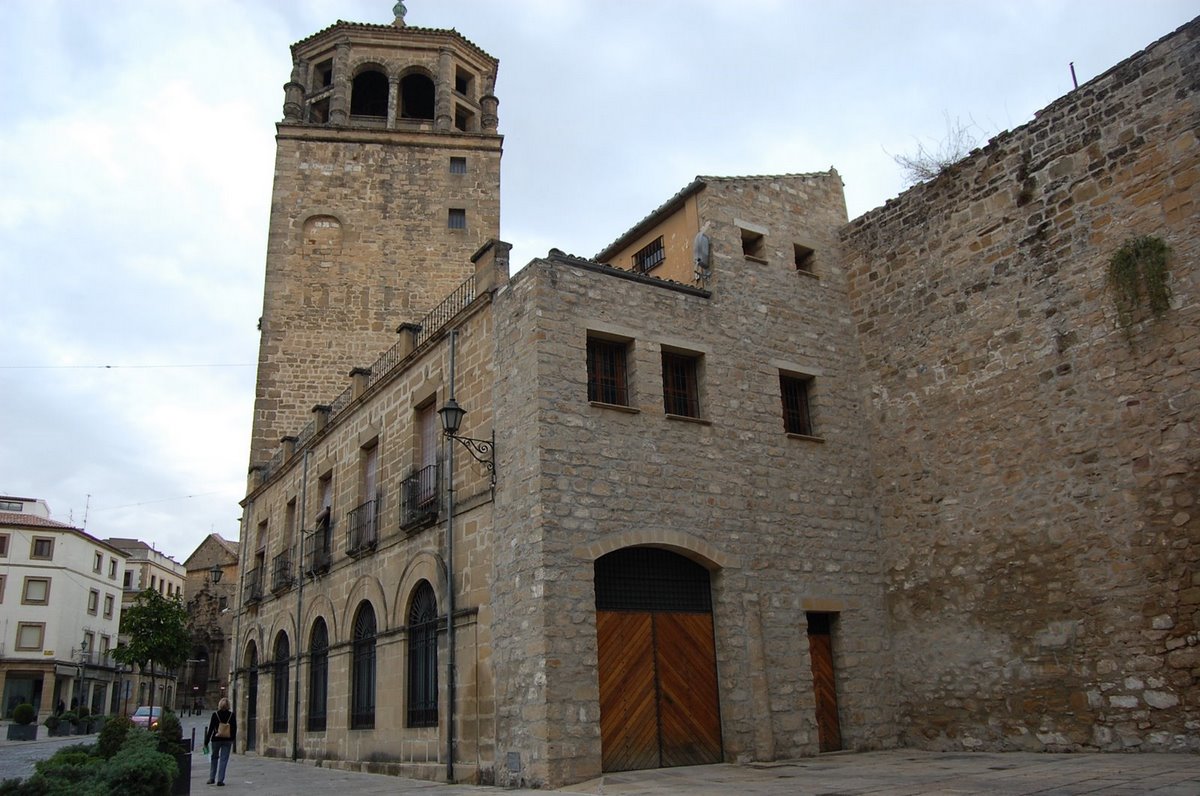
899	772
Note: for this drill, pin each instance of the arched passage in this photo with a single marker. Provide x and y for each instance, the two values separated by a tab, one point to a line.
251	732
659	703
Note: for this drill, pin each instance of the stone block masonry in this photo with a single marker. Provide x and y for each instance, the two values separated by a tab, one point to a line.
1037	465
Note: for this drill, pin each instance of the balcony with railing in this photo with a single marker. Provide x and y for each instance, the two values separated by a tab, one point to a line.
317	552
282	576
363	528
253	586
419	498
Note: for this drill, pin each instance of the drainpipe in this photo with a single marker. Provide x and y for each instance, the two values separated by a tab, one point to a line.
450	582
234	650
300	607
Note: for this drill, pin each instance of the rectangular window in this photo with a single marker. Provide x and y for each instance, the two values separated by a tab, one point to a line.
3	545
30	635
108	606
153	583
93	601
804	257
127	583
457	218
754	244
463	81
36	591
42	547
649	256
681	391
112	568
12	505
458	165
98	562
797	415
606	366
2	582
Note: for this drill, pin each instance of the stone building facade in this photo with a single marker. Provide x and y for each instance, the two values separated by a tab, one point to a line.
1037	464
211	603
752	483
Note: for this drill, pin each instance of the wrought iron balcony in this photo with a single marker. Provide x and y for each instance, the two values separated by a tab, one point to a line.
419	498
317	552
282	576
363	534
254	586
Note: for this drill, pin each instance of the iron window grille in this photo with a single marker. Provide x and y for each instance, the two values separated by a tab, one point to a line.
457	218
607	372
318	676
649	256
362	684
279	686
318	547
681	393
797	417
422	658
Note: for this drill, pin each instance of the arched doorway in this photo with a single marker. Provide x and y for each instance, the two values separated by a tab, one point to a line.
251	697
659	704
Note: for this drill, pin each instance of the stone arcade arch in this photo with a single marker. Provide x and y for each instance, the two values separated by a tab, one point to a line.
251	728
659	701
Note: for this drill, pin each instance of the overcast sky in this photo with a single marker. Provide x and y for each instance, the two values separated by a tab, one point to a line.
137	149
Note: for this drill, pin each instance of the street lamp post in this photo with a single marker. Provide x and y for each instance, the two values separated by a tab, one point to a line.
484	452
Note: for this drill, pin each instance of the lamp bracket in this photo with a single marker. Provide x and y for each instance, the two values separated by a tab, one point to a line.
481	450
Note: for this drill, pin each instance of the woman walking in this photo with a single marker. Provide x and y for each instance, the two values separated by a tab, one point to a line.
220	735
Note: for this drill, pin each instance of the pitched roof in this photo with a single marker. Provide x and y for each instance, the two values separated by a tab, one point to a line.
32	521
366	26
676	201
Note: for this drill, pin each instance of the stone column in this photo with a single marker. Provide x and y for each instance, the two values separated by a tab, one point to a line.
339	104
393	101
293	94
444	92
490	104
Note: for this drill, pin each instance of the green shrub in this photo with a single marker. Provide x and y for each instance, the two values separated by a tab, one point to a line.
24	713
51	722
83	712
113	735
170	734
140	769
69	717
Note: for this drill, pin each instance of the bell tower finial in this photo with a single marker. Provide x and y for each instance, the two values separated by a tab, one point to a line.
399	10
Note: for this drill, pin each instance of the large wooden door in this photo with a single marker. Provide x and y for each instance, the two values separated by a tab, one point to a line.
820	650
659	702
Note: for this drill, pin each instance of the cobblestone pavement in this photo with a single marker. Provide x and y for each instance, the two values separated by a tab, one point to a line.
900	772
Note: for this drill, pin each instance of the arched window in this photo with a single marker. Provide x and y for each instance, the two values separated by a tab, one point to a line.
416	97
279	684
369	96
422	658
318	675
362	671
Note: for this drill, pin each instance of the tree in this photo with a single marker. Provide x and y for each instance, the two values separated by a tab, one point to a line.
157	630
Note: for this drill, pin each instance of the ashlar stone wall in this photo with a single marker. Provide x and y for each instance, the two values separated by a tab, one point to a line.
1038	465
784	523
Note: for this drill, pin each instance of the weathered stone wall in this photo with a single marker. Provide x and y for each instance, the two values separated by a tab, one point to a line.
383	416
359	243
1038	466
785	523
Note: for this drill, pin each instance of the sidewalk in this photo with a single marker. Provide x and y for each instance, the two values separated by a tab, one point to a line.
907	772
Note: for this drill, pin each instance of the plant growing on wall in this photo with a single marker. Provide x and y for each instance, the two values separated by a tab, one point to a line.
1137	277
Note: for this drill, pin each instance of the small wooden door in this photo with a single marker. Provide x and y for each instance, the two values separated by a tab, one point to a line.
659	702
820	649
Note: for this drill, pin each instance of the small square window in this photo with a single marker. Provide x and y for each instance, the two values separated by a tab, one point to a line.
37	591
323	74
98	562
681	391
797	415
43	548
457	218
108	606
458	165
607	371
804	257
93	601
30	635
754	244
463	81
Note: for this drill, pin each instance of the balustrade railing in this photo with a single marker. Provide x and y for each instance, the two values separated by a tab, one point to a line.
362	522
419	497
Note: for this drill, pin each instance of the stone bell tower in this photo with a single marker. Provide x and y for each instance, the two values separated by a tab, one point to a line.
387	180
